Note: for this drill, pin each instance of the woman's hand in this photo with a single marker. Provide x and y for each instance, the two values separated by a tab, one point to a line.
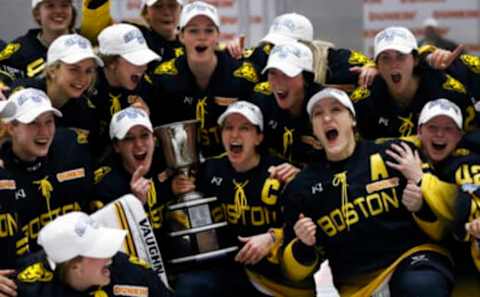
412	197
182	184
305	230
284	172
408	161
139	185
8	288
255	248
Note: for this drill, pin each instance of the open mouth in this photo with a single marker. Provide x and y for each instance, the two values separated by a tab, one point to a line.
236	148
281	95
331	134
135	78
439	147
396	77
140	157
200	48
41	142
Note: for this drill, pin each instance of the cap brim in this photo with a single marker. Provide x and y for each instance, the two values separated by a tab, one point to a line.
31	115
141	57
80	57
7	109
277	39
289	70
107	244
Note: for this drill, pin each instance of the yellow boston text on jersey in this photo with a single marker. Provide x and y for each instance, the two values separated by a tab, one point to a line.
8	225
115	105
270	191
210	136
101	172
467	174
35	273
407	126
472	62
358	58
9	50
167	67
247	71
454	85
263	88
360	93
36	67
31	229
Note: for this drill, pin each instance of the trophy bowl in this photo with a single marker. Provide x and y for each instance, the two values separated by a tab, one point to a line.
195	224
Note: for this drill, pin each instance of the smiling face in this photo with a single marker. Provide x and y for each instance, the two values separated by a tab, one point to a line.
54	16
136	148
33	140
439	137
333	126
163	17
73	79
121	73
240	139
200	37
396	69
289	92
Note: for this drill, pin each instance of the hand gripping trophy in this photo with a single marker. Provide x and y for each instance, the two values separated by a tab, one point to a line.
194	234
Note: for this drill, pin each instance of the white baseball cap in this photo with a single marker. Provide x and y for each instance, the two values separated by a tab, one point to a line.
337	94
249	110
289	27
36	2
70	49
128	42
152	2
440	107
290	58
125	119
197	8
430	22
26	105
77	234
395	38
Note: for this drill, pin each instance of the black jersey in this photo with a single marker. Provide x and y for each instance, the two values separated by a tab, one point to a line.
49	186
251	205
362	225
129	277
379	116
8	225
179	97
288	137
113	181
26	53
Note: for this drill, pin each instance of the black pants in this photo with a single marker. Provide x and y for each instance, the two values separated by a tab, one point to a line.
423	274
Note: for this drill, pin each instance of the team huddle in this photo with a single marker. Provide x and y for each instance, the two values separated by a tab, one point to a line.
312	153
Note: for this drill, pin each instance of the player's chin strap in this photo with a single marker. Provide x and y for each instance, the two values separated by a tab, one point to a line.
127	213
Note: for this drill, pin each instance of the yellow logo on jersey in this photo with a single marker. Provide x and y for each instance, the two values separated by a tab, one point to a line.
35	273
472	62
263	88
267	48
360	93
9	50
167	67
99	293
454	85
71	174
7	184
179	51
82	135
461	152
358	58
36	67
101	172
247	71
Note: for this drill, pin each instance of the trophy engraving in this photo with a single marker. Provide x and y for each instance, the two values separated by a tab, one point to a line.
195	234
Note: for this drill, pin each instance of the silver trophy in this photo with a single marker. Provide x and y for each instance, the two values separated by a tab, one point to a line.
196	233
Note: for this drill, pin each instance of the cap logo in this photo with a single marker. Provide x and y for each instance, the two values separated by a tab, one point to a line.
76	40
82	225
131	113
34	97
444	105
390	35
243	105
287	23
200	7
284	51
132	35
